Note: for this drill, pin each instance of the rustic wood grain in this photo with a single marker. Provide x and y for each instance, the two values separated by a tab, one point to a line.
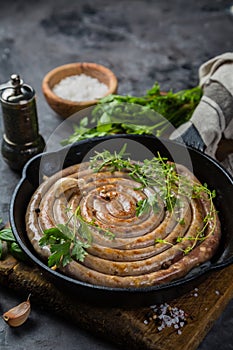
126	327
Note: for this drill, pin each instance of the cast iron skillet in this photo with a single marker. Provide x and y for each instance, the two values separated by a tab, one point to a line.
204	167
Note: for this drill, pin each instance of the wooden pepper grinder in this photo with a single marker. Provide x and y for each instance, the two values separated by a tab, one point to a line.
21	139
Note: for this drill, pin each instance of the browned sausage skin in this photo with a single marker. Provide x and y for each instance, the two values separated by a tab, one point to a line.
135	257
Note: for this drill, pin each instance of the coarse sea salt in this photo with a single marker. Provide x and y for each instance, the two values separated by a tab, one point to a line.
79	88
164	315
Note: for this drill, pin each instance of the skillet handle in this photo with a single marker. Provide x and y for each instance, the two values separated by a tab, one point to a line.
192	138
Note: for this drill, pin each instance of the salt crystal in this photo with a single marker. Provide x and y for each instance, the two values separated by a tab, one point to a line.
80	88
168	316
153	307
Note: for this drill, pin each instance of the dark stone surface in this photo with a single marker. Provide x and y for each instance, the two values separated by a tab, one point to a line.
142	42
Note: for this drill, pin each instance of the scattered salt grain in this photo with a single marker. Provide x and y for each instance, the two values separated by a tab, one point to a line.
217	292
164	315
194	294
79	88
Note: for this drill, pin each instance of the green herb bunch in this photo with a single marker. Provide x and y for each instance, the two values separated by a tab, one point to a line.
150	114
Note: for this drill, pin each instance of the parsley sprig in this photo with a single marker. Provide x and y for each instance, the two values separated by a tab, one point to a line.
64	246
67	242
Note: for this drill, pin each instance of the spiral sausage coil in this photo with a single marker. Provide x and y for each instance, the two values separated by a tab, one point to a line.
145	250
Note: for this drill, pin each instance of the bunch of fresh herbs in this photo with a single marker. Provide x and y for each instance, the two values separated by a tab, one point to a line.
152	114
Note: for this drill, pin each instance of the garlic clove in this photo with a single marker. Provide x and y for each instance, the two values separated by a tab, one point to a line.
16	316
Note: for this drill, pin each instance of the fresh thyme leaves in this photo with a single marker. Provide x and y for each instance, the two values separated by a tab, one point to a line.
142	207
211	216
116	114
115	160
67	242
182	221
155	172
8	244
145	205
198	192
85	227
162	174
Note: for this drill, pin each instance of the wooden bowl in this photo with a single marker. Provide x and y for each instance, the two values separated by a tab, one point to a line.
64	107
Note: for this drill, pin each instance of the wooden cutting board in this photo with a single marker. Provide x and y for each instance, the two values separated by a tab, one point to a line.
126	327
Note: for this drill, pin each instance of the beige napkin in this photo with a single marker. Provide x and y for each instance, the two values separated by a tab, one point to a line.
213	117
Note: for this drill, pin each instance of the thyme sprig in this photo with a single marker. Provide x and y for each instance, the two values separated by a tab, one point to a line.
114	160
199	191
155	172
162	174
92	224
142	207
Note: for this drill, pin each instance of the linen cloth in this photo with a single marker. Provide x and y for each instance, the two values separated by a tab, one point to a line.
213	117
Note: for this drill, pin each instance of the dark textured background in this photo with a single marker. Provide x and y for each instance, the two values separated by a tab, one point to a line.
142	42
